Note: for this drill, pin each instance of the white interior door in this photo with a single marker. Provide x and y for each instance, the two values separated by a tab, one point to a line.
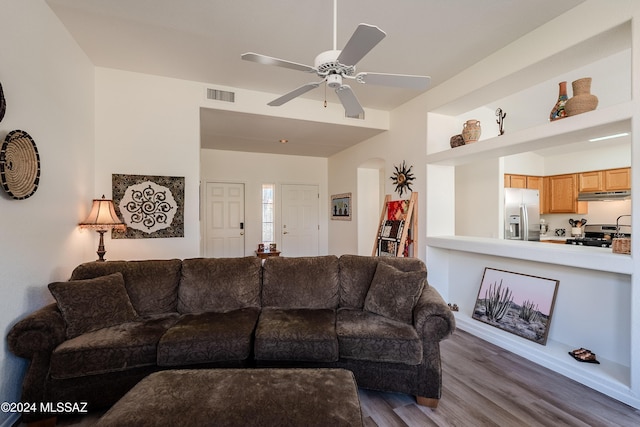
224	220
300	220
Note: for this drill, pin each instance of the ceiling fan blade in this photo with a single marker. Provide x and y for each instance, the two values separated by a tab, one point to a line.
349	101
294	94
364	38
268	60
397	80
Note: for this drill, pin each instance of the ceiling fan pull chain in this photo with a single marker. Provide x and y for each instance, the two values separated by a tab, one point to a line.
325	96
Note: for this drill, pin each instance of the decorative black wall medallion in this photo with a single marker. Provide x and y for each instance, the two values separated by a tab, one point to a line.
151	206
19	165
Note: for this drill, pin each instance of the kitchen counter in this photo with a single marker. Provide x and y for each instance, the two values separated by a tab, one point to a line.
553	239
593	258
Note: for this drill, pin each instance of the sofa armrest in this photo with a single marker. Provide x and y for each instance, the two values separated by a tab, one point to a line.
432	317
39	332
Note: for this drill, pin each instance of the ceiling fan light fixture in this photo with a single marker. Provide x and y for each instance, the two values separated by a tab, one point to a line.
334	81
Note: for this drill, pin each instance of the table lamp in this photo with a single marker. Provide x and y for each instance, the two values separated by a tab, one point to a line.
102	218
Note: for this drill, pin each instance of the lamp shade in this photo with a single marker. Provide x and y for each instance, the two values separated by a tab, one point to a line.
103	216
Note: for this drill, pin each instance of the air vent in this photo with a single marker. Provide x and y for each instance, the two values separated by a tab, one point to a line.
221	95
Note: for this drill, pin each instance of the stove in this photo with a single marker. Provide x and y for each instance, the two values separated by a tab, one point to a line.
600	235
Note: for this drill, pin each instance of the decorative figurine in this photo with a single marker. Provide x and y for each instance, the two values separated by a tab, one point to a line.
500	120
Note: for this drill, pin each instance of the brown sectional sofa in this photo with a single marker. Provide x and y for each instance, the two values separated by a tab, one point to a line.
115	322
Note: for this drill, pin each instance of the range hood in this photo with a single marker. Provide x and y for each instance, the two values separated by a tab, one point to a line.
596	196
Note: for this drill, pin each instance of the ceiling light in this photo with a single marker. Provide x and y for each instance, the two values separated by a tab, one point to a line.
284	141
602	138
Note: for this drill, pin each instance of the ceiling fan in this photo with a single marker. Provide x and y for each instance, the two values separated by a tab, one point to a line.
335	66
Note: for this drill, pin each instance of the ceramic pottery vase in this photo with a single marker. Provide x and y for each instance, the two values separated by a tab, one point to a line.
582	100
558	111
471	131
456	141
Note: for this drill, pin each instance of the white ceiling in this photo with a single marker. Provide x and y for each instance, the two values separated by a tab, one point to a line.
202	40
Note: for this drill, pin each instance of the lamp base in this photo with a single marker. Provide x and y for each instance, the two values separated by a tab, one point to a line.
101	250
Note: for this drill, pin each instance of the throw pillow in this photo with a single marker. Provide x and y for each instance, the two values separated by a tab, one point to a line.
394	293
91	304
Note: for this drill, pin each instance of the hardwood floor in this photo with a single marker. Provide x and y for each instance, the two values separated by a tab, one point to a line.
484	385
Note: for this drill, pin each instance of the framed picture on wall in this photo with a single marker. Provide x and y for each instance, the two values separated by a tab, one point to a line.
341	206
517	303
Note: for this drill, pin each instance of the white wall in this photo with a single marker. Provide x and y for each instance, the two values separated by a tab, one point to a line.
149	125
255	169
406	140
478	199
370	198
48	85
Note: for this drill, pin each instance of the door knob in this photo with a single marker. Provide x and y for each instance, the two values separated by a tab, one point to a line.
242	233
285	232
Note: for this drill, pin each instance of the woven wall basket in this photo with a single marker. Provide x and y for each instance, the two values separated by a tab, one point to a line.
19	165
3	103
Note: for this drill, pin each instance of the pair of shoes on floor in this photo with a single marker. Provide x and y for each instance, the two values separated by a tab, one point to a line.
584	355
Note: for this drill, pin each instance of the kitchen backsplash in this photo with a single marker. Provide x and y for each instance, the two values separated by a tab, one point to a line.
599	213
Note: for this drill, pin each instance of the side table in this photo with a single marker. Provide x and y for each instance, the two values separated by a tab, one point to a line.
267	253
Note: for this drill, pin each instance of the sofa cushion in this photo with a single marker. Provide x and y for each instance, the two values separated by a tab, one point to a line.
152	284
297	335
88	305
305	282
356	274
209	337
394	293
367	336
357	271
219	284
117	348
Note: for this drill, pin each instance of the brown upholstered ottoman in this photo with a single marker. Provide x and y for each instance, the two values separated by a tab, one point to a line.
240	397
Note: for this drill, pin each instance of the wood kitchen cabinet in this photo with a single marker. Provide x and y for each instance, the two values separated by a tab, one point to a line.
522	181
590	181
605	180
562	194
617	179
527	181
515	181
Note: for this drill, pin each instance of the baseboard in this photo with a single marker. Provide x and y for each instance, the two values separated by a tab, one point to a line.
11	421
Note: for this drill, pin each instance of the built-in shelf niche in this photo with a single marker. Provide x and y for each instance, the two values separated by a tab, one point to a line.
588	277
528	96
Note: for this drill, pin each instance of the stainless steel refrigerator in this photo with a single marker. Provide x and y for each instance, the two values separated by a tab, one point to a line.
521	214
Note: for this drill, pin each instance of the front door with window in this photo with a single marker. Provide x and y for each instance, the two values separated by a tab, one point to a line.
224	220
300	220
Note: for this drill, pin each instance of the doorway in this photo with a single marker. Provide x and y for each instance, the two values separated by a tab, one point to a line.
224	220
300	220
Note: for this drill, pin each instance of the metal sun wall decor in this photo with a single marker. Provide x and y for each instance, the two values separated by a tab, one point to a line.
402	178
151	206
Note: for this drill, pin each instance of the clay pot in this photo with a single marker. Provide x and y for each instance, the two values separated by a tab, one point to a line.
558	111
582	100
456	141
471	131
